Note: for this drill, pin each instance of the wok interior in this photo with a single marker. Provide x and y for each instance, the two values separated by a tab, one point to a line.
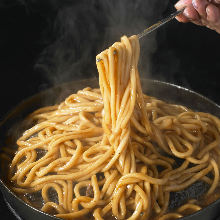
13	126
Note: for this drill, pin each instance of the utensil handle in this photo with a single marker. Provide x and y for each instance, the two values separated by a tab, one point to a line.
159	23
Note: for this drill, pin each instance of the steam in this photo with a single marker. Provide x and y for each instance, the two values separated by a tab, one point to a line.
84	28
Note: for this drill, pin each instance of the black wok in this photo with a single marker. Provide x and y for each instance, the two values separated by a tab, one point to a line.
11	128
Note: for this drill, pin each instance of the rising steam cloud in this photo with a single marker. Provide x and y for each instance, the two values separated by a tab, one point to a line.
84	28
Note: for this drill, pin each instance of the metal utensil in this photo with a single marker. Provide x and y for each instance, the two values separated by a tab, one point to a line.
159	23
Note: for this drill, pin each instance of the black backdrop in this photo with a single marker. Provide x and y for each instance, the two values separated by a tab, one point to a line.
185	54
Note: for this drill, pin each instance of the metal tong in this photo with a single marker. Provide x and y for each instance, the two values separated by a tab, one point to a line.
159	23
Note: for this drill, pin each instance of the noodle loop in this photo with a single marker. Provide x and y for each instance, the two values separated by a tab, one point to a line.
115	151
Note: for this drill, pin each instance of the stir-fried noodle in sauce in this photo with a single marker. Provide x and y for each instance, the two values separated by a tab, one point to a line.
110	152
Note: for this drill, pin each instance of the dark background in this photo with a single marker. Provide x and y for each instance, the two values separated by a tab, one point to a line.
47	42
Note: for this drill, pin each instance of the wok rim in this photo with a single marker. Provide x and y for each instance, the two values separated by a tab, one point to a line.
11	112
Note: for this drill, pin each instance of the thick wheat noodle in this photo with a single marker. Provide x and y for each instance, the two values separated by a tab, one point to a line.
104	151
216	177
184	185
171	216
188	206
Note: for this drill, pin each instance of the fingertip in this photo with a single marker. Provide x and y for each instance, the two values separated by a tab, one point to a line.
200	6
182	3
182	18
213	13
191	13
178	4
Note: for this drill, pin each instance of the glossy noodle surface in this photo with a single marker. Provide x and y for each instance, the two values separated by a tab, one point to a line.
111	152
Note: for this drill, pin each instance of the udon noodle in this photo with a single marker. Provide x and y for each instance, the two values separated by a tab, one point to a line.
111	152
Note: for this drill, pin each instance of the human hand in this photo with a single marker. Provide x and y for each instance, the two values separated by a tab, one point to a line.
200	12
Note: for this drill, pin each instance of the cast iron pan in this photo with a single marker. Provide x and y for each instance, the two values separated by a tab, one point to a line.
12	127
